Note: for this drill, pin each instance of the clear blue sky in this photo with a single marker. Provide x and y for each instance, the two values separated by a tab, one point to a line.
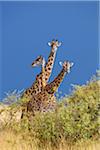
26	28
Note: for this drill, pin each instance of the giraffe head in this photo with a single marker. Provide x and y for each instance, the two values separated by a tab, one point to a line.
54	44
39	61
66	65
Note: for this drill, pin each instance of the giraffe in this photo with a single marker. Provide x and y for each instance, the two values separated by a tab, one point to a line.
47	69
40	61
45	100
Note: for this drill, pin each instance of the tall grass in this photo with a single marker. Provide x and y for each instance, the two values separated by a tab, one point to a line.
10	140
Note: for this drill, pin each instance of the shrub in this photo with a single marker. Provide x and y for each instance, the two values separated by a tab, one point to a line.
75	119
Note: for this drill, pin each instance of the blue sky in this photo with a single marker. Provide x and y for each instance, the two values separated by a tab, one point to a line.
26	27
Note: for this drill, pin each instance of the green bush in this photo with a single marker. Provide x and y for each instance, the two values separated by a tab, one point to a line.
80	118
75	119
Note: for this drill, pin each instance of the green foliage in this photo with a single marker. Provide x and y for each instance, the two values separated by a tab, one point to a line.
80	119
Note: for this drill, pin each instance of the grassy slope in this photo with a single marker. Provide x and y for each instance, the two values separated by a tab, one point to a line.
11	141
73	126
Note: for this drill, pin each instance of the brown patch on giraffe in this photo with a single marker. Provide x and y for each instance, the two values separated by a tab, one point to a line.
49	69
47	74
39	82
38	75
36	86
26	92
59	79
40	78
35	92
44	95
38	90
50	63
62	75
30	90
57	84
46	78
46	69
51	59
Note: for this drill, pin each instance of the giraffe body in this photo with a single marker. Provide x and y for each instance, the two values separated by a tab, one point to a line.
45	100
42	102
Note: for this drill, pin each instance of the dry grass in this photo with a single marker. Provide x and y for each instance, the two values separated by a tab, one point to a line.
10	140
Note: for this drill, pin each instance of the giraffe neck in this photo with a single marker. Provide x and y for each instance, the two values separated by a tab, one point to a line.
53	86
42	78
49	64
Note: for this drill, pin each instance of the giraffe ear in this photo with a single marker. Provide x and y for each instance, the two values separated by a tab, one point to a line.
60	43
60	63
71	64
49	43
